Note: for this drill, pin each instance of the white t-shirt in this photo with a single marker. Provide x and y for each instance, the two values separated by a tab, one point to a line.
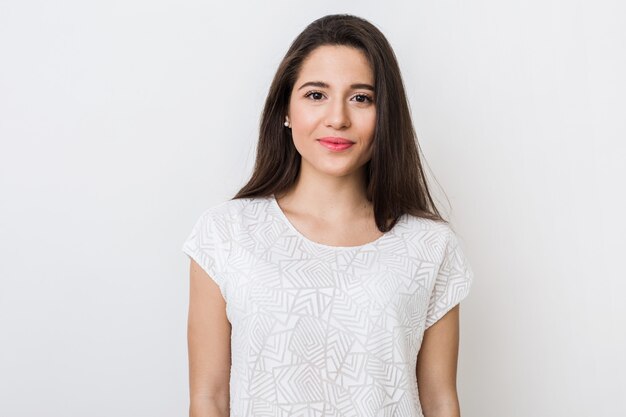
322	330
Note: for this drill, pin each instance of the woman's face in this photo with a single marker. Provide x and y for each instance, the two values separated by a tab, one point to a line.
333	98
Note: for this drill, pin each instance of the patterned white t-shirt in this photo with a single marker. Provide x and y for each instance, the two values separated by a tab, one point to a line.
322	330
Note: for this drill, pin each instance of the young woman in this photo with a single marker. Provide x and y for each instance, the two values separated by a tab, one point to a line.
329	285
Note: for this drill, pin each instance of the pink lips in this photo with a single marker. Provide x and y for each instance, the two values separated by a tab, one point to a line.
336	143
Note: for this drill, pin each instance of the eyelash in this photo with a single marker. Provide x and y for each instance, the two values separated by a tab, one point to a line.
367	96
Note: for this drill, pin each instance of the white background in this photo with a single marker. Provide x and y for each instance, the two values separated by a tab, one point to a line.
120	121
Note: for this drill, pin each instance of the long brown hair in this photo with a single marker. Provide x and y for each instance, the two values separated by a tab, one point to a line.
395	178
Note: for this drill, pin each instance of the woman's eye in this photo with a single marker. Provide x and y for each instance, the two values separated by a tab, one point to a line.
363	98
316	95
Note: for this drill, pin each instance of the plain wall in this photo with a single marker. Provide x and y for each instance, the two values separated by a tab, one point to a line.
121	121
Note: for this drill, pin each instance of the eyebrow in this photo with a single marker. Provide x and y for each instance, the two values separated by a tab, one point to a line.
322	84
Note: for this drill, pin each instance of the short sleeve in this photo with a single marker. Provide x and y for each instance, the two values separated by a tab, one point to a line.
201	246
452	283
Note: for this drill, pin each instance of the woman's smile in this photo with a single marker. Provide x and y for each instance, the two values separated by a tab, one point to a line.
335	143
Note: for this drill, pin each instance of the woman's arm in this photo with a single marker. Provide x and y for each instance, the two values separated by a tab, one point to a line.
208	341
437	365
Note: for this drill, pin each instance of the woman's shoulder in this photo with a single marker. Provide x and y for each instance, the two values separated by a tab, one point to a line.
235	207
432	234
416	223
236	213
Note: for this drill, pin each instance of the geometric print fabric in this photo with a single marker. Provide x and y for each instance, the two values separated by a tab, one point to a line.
322	330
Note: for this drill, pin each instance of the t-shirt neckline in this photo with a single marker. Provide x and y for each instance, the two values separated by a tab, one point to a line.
283	217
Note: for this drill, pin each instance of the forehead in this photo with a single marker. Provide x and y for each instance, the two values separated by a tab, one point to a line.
338	63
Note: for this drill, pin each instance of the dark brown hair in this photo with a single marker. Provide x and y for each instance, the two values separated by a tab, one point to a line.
395	178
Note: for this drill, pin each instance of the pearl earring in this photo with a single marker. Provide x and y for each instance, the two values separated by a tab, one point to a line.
287	124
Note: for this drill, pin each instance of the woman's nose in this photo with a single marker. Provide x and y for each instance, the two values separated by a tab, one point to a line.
337	115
